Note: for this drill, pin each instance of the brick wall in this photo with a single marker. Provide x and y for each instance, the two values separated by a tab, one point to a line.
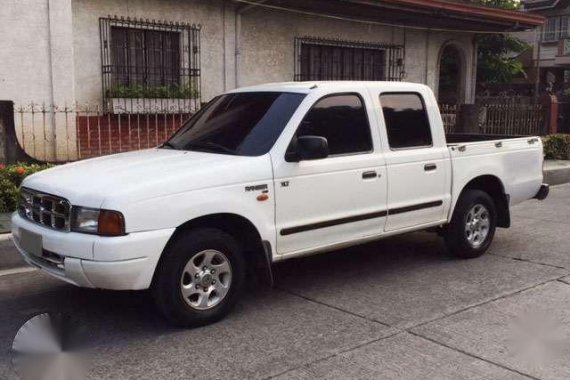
107	134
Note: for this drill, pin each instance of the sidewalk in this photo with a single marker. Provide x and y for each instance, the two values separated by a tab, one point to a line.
9	256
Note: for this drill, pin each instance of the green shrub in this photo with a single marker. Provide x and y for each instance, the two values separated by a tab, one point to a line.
556	147
172	91
11	177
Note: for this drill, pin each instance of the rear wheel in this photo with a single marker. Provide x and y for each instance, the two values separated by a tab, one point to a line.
200	278
472	226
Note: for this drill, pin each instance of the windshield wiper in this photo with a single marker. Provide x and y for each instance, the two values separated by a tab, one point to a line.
210	146
168	145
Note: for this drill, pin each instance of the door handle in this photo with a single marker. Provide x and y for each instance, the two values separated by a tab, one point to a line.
369	175
430	167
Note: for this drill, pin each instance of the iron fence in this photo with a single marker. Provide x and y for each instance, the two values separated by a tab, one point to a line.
512	119
449	116
506	98
73	132
502	118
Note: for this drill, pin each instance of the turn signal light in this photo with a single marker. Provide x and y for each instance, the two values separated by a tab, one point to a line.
111	223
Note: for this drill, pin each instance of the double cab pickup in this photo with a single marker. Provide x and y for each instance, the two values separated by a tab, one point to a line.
265	174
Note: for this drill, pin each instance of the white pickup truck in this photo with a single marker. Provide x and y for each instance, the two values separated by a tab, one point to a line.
265	174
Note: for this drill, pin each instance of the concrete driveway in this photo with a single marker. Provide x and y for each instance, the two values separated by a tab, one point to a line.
396	309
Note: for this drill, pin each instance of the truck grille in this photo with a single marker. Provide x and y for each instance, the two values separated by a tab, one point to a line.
45	209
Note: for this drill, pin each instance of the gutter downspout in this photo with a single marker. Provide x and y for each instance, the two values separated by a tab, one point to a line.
538	41
474	66
224	60
51	79
238	12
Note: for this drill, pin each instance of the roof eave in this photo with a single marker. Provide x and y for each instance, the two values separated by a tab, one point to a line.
524	20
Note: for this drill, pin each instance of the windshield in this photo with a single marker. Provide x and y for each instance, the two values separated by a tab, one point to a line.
244	124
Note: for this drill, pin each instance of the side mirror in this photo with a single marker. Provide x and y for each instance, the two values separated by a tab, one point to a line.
308	148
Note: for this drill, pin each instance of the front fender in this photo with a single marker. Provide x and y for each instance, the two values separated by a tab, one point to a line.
174	210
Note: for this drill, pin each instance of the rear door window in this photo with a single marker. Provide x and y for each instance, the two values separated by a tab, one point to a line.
407	123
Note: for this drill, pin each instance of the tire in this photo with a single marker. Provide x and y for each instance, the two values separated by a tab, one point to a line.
200	278
469	236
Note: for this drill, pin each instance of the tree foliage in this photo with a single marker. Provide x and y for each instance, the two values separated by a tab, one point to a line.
497	62
504	4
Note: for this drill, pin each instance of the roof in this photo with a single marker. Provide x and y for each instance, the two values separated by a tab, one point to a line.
490	13
426	14
307	87
535	5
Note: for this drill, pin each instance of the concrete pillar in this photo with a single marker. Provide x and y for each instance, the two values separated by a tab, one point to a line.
62	80
550	104
468	119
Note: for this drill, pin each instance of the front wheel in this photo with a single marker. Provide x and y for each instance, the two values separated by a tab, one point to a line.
200	278
472	227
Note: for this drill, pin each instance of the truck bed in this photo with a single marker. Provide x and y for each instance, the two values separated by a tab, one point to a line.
461	138
520	161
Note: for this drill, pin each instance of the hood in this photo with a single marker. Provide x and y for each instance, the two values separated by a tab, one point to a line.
145	174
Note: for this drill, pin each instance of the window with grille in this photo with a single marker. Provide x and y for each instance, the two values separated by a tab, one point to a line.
149	59
318	59
556	28
564	26
145	57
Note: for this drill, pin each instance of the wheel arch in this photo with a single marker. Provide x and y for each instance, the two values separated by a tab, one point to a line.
258	252
493	186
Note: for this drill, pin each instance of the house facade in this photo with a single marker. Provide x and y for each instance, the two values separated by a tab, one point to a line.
128	59
549	67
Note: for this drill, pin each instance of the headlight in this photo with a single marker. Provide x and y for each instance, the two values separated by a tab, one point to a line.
100	222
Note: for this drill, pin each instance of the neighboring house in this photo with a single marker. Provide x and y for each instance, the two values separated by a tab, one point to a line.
549	66
176	54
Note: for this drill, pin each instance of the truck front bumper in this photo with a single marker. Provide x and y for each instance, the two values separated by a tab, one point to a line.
543	192
118	263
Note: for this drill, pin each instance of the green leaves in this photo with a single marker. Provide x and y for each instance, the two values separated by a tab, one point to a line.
155	92
11	177
503	4
497	58
497	55
556	147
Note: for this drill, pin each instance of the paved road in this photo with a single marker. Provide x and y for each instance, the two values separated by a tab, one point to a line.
396	309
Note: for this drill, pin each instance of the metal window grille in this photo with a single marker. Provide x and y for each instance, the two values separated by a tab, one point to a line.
552	29
321	59
144	59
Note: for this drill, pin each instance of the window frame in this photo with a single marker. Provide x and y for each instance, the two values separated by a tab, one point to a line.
394	55
361	98
386	125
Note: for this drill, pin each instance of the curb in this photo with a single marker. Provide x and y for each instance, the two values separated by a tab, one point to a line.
557	172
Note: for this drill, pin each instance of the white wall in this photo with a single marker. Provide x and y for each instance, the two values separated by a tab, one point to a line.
210	14
36	66
36	33
51	52
266	54
267	48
